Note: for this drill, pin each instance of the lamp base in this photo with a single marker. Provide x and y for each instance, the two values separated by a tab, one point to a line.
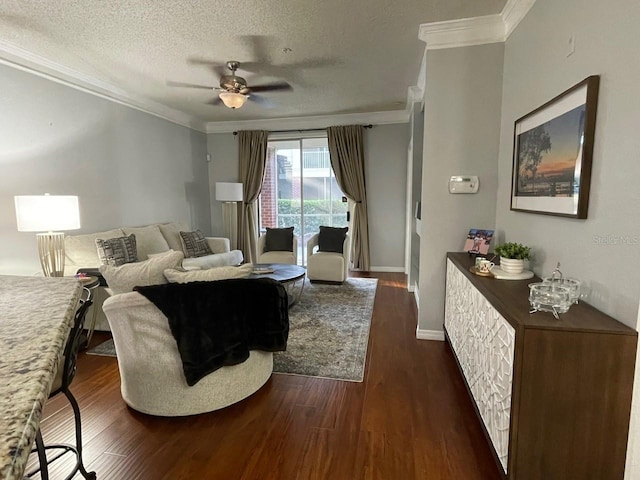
51	251
230	221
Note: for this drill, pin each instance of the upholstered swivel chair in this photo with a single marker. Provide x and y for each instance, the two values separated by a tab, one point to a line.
64	377
327	266
151	373
277	256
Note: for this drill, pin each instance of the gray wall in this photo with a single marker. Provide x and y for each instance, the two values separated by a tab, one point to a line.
461	136
535	70
385	152
223	148
127	167
385	148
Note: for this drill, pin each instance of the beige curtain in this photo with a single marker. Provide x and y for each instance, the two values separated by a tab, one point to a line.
347	159
252	159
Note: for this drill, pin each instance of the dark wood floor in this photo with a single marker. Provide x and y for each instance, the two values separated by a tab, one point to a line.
410	419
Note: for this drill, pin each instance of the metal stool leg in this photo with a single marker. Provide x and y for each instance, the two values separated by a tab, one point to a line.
78	424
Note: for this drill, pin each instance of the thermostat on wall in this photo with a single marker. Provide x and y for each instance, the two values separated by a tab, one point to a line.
463	184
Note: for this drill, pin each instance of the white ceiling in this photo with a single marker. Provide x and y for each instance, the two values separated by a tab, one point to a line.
346	56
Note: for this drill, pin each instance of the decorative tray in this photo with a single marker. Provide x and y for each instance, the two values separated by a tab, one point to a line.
475	271
502	275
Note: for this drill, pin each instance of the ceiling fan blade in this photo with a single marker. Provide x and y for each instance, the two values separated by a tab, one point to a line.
214	101
189	85
216	67
260	100
272	87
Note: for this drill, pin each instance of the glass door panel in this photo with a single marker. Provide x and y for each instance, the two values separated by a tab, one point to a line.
300	190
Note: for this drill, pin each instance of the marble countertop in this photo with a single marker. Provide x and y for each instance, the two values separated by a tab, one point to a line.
36	314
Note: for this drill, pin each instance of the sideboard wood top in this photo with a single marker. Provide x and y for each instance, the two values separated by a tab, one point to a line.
511	299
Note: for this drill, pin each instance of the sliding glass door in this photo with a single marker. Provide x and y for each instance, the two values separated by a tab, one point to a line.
300	190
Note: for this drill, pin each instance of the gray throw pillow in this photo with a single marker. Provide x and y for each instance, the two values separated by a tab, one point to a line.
279	240
331	239
117	251
194	244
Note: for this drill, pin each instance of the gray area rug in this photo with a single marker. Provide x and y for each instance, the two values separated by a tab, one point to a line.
328	331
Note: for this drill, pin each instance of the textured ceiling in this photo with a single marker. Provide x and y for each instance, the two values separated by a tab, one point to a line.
340	56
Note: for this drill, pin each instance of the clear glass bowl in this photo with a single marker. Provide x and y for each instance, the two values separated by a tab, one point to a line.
549	297
573	284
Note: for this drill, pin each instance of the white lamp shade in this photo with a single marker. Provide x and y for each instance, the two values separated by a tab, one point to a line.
233	99
47	213
229	192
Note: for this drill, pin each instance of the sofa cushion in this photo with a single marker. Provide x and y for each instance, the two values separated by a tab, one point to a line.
278	240
331	239
149	272
149	239
212	274
171	233
80	250
117	251
234	257
194	244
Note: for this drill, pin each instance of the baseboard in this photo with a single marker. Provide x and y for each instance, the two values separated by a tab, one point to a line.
387	269
430	335
411	288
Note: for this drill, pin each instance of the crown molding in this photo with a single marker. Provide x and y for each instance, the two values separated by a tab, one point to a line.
513	13
319	122
477	30
16	57
463	32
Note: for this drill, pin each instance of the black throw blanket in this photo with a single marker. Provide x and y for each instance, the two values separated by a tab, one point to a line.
216	323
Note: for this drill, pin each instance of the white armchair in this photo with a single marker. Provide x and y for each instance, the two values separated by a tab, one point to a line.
327	266
290	258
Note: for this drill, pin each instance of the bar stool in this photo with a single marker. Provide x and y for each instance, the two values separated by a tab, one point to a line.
64	377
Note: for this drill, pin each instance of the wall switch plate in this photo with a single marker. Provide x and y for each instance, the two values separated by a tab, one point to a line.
571	45
464	184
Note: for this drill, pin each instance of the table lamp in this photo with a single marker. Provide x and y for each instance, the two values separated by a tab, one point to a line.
46	213
230	194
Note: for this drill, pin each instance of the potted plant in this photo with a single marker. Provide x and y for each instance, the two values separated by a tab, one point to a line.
512	256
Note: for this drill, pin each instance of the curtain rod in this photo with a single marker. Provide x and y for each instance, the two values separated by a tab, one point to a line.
304	130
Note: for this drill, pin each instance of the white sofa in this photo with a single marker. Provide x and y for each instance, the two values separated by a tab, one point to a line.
81	252
152	379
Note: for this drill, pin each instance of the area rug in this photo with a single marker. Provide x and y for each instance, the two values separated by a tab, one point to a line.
328	331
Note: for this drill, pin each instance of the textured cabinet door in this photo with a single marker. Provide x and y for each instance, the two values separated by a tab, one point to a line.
484	343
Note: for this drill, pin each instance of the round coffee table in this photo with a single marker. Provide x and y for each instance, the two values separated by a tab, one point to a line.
290	276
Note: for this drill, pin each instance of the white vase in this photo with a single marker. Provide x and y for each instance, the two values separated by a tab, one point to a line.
511	265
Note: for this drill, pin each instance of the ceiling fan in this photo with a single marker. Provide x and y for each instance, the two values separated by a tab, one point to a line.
234	91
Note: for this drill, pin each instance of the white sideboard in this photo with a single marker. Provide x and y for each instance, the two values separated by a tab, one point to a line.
484	343
553	396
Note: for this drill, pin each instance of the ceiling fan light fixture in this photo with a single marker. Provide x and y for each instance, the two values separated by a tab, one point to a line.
232	99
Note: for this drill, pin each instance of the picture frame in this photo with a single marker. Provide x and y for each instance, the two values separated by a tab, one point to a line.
553	153
478	241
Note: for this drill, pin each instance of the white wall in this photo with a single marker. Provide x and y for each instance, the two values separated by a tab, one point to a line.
385	148
461	137
535	70
127	167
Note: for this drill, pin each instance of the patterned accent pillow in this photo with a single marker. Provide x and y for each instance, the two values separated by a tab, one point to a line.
117	251
194	244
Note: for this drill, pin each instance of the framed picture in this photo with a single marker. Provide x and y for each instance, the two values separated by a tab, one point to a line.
478	241
552	154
